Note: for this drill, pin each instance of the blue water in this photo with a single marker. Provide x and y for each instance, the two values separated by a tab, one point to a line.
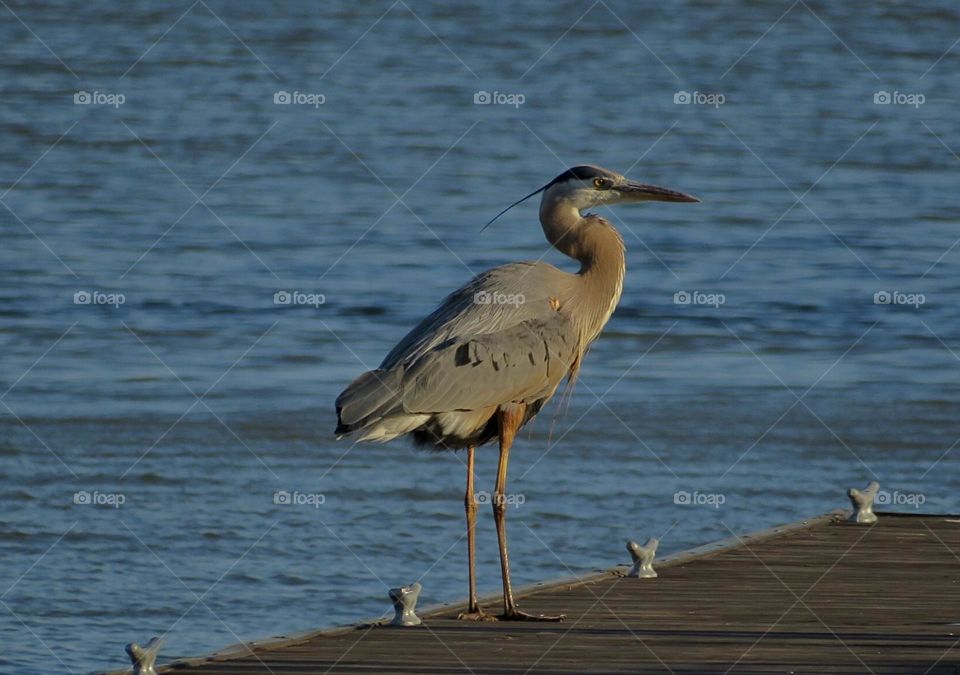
374	199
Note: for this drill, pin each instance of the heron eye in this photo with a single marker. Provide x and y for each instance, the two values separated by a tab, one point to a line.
600	183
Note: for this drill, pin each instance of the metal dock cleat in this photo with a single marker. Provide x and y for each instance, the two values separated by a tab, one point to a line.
144	658
862	501
404	603
643	558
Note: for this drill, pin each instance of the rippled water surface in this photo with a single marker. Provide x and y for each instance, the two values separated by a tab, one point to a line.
183	410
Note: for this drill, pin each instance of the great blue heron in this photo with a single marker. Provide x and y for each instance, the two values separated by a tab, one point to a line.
495	351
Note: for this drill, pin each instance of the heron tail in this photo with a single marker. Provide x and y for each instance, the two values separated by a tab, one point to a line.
369	399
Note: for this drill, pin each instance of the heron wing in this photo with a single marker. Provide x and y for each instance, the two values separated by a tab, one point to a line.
500	338
524	362
494	301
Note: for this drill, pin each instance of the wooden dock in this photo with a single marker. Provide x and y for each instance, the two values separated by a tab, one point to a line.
819	596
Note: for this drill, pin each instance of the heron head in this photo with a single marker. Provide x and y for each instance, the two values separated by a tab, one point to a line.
587	186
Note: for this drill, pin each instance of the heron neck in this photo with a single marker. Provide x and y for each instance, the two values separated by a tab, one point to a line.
599	248
602	268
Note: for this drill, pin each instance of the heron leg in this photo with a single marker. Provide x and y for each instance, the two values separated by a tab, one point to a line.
509	418
473	612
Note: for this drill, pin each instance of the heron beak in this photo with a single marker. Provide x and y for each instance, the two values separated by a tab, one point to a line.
641	192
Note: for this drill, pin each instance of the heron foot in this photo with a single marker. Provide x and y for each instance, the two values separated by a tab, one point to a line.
476	614
517	615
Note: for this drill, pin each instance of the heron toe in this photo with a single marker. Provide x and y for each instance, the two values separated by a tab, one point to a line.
478	615
517	615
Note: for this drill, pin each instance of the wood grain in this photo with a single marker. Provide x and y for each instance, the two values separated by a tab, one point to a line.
831	597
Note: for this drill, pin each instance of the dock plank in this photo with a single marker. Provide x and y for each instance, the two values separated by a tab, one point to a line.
831	597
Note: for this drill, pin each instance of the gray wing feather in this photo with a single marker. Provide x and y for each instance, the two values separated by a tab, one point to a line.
470	354
525	362
373	394
464	312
